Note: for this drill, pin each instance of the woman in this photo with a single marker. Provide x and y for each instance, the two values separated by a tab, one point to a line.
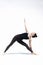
22	36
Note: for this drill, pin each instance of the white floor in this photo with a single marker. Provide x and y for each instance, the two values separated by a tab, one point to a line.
21	59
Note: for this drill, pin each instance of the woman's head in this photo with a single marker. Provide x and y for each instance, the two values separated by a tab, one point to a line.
33	34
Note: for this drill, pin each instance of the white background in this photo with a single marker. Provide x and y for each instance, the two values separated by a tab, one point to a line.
12	14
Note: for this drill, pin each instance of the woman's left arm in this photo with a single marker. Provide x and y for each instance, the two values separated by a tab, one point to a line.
30	45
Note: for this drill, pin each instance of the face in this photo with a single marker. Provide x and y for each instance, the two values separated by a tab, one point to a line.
34	35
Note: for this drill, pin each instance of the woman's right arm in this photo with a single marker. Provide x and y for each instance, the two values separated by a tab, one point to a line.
25	26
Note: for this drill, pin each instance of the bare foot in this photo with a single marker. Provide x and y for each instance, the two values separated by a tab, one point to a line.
34	53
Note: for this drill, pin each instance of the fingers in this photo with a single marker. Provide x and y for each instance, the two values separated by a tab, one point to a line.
24	20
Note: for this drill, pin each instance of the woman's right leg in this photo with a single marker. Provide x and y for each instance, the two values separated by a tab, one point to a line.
12	42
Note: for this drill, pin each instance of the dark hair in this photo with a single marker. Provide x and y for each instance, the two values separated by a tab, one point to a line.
35	35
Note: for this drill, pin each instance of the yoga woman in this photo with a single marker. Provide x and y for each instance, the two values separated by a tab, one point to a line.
22	36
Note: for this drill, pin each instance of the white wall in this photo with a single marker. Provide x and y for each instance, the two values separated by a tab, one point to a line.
12	14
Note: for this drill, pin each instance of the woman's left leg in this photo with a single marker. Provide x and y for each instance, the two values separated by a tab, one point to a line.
24	44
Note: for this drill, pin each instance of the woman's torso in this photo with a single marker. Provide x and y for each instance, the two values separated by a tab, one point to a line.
22	36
